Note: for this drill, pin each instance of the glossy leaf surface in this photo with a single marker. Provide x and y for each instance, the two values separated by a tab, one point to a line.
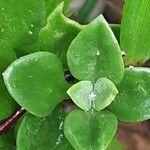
133	101
98	96
20	22
36	82
7	55
135	29
7	104
43	133
58	33
95	53
86	132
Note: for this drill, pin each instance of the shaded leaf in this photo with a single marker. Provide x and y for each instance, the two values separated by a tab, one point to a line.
43	133
7	55
116	30
7	141
36	82
7	104
133	101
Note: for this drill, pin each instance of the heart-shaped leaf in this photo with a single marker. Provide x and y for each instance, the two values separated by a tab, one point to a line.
95	53
58	33
98	96
135	29
133	101
86	132
7	104
43	133
7	55
36	82
20	22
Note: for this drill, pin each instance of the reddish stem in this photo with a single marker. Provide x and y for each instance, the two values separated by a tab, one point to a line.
7	123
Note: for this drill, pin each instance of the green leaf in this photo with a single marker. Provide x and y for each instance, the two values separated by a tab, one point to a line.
36	82
115	145
52	4
43	133
58	33
7	55
133	101
7	141
86	132
135	29
116	30
80	94
20	22
95	53
105	92
98	96
7	104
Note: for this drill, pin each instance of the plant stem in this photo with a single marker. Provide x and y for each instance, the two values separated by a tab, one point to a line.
7	123
86	10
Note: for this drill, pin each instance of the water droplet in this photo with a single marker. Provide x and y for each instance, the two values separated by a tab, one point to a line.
30	32
2	30
2	9
131	67
141	88
98	52
32	25
30	76
123	53
92	96
59	139
61	125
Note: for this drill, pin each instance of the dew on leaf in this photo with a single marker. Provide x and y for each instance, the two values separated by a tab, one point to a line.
30	32
123	53
98	52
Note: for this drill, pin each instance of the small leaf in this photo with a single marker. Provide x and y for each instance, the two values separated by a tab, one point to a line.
36	82
7	104
95	53
105	92
98	96
57	34
135	29
20	22
86	132
7	55
133	101
80	94
43	133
